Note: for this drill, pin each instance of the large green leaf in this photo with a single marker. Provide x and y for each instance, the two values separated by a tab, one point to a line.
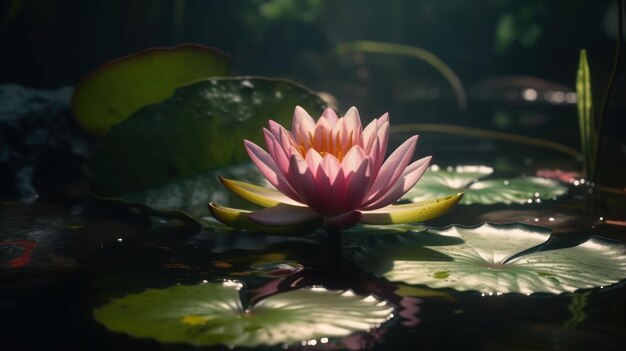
493	259
444	182
212	314
200	128
120	87
192	194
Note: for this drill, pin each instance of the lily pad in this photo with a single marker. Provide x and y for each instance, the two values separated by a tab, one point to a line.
438	182
120	87
494	259
200	128
213	314
192	194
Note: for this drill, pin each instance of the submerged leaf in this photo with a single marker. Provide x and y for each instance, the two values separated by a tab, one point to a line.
494	259
212	314
120	87
441	182
200	128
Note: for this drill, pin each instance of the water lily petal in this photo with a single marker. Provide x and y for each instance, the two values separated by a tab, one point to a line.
392	169
283	136
357	182
382	137
331	184
283	215
344	220
257	194
322	135
275	128
331	116
301	125
352	125
313	160
323	182
409	178
353	159
409	213
331	167
304	183
375	130
237	218
369	134
266	165
275	149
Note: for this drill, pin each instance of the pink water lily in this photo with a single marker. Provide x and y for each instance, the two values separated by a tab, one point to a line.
332	170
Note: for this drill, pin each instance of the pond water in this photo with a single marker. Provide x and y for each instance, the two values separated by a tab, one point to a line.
107	241
89	253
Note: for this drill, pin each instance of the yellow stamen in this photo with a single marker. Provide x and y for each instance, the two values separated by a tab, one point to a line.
328	144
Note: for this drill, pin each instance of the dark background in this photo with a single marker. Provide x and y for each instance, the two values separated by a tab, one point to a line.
53	43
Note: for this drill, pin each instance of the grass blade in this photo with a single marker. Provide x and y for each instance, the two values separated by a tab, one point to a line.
586	122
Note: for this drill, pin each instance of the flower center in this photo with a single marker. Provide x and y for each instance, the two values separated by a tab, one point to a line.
327	144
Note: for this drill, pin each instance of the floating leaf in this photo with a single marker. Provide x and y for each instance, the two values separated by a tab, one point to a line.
192	194
558	221
212	314
200	128
444	182
493	259
118	88
412	291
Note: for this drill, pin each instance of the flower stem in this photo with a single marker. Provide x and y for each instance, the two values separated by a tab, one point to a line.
334	244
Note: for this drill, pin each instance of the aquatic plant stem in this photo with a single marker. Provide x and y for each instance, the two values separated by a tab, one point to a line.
375	47
476	132
610	85
334	244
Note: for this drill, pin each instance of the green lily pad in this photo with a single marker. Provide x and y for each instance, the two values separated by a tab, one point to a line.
120	87
192	194
213	314
493	259
438	182
200	128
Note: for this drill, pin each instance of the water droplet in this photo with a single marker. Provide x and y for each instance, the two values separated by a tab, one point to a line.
247	84
119	240
529	94
506	182
324	340
278	94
